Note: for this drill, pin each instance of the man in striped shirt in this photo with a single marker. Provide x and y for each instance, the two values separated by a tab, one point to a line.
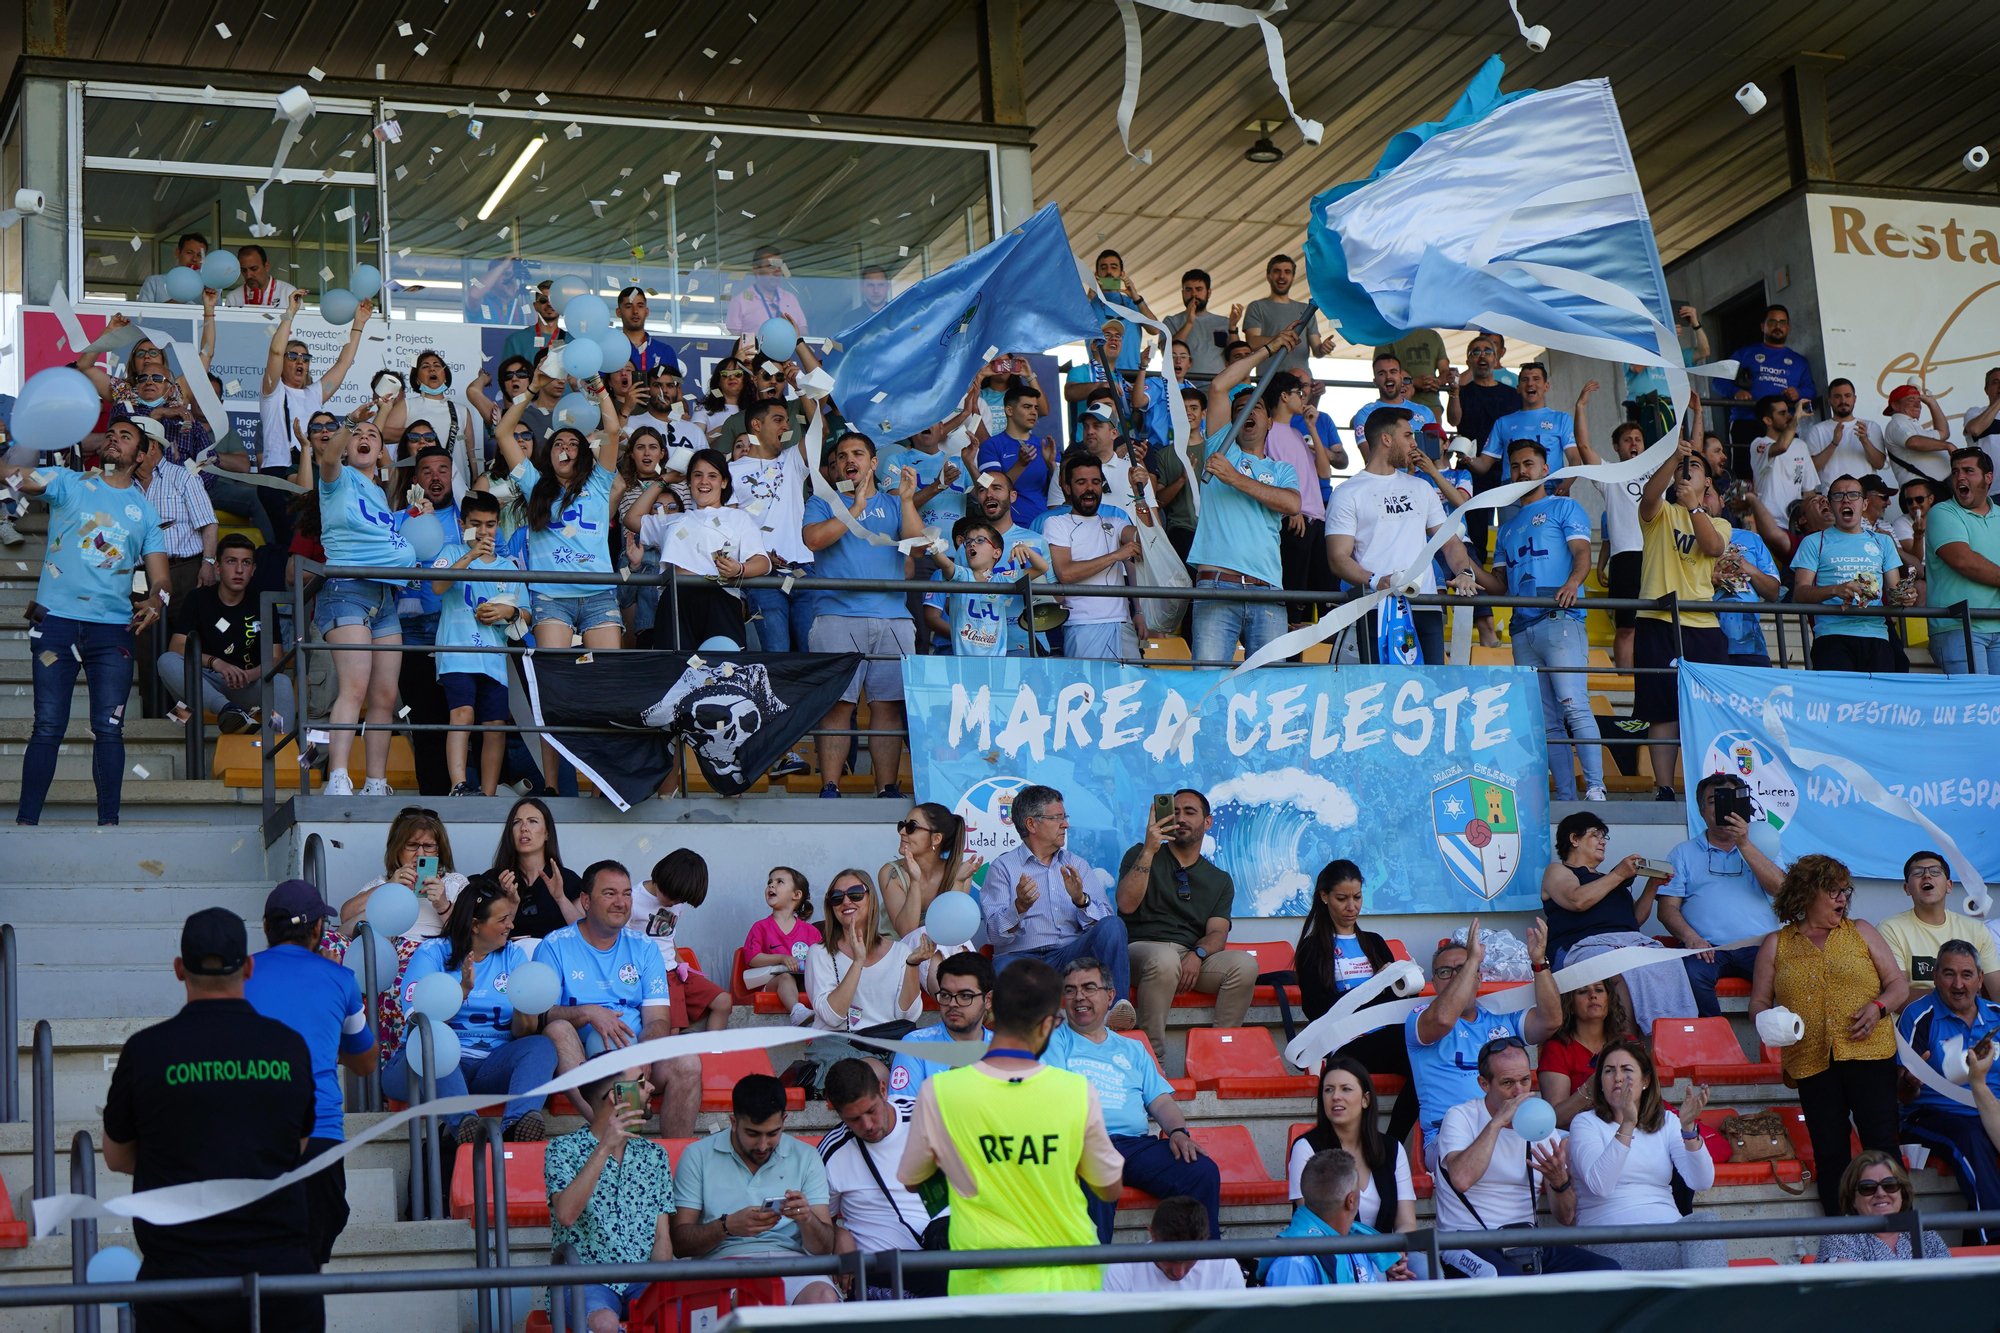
187	519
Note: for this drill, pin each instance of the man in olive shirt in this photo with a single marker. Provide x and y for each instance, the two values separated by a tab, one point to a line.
1422	353
1175	903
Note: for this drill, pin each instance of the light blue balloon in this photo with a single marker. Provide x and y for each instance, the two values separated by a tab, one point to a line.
715	643
534	987
56	408
438	995
953	919
184	285
113	1263
564	289
1534	1119
616	346
777	339
385	961
392	909
1766	840
365	281
574	410
337	305
220	272
425	534
585	311
447	1049
582	358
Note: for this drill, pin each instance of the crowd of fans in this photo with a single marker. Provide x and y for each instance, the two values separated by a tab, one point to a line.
711	480
1031	1145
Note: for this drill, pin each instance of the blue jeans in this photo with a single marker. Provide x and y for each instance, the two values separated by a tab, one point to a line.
1104	941
523	1063
1150	1165
785	617
1948	651
600	1297
1703	976
1558	641
1219	626
60	648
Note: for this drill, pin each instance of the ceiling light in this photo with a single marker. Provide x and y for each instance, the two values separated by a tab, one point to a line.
513	174
1264	151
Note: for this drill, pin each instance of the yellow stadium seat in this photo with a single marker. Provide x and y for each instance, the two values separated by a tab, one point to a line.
1166	648
239	761
1319	652
1492	656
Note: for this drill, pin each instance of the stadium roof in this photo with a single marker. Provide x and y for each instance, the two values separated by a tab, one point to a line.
1906	87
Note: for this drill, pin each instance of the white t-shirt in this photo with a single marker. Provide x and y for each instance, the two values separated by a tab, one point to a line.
1087	539
1504	1196
275	293
1909	463
1390	519
1371	1199
1784	478
1848	456
1620	1186
855	1198
1117	484
674	432
1206	1275
1621	514
691	541
877	995
659	923
467	449
279	409
773	492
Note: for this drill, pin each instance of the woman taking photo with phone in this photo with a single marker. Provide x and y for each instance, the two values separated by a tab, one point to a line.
1592	911
416	855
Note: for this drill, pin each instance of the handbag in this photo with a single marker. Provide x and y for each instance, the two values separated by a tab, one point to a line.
1762	1138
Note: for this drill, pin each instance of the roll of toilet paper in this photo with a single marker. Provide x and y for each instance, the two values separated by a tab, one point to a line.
1780	1027
1751	98
31	201
294	104
1537	38
1975	159
1955	1067
1406	978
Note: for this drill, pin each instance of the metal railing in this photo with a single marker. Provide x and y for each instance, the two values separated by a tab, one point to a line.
888	1266
83	1231
490	1222
44	1089
427	1201
10	1022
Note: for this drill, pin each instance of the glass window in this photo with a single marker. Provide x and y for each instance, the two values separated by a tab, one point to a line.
207	132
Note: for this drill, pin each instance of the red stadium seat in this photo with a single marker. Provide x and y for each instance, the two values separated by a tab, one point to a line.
1183	1087
13	1232
1242	1062
720	1070
1746	1173
1706	1051
1974	1251
1753	1263
1735	986
1272	956
1244	1179
761	1001
681	1307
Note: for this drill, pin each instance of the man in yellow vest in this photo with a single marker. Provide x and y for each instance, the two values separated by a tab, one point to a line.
1006	1139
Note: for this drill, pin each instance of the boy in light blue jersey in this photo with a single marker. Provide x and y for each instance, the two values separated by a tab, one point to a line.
1544	551
979	622
475	615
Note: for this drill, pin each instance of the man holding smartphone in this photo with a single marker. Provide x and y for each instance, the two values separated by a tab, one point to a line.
1721	890
611	1195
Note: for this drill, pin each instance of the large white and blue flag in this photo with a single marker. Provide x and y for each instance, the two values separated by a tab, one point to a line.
907	366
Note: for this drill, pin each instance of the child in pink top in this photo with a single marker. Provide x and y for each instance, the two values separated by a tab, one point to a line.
781	939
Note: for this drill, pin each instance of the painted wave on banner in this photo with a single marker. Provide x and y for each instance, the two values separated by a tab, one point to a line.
1301	766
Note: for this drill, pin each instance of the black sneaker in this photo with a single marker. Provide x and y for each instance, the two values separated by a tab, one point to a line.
890	792
787	766
233	720
1665	794
830	791
467	788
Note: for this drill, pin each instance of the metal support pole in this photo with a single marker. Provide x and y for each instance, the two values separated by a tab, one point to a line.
673	600
496	1140
482	1300
1964	610
433	1127
254	1294
45	1109
196	733
10	1021
83	1231
364	939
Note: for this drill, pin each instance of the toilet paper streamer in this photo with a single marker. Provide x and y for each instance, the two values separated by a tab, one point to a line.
176	1204
1234	16
824	489
1780	1027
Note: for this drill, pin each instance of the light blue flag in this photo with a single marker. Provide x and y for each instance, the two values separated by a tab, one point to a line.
907	366
1519	213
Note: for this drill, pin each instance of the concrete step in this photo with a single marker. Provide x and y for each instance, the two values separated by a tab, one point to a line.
137	792
73	764
157	855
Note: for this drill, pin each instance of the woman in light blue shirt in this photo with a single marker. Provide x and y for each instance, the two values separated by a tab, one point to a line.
500	1048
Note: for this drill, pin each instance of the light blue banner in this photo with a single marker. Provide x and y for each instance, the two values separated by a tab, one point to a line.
1928	739
1434	780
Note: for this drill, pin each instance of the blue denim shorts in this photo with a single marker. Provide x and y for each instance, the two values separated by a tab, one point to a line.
581	614
357	602
600	1297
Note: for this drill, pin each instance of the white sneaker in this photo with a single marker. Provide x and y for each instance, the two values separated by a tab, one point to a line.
377	787
1595	794
338	784
9	534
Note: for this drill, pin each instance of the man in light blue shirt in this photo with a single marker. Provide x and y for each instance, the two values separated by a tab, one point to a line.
1555	431
1130	1087
1392	389
1853	566
964	989
1330	1193
100	527
754	1191
614	993
993	495
1721	892
1445	1036
1544	551
1245	496
1041	901
877	624
941	481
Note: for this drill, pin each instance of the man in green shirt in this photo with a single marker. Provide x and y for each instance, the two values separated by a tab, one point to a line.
611	1195
1175	903
1422	353
1962	563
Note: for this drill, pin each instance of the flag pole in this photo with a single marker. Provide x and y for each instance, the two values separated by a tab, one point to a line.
1250	399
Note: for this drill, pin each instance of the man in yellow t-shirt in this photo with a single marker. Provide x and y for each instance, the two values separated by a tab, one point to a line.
1916	935
1006	1140
1682	539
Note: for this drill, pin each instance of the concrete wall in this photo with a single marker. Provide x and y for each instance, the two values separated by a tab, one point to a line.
1773	247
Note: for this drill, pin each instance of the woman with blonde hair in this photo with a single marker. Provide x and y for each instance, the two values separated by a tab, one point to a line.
863	977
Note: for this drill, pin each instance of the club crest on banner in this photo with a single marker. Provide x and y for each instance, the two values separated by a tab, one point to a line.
1478	830
1773	792
988	811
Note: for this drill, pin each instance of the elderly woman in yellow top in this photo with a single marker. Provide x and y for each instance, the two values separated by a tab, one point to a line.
1840	977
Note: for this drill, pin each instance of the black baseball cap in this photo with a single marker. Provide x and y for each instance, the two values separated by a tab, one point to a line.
296	901
214	933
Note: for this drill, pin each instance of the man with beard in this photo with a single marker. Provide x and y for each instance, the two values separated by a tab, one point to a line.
1842	443
648	352
1093	549
259	287
1962	557
1203	332
860	1159
1766	368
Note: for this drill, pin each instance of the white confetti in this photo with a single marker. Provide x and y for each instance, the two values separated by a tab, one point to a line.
708	111
903	252
381	71
222	31
475	128
422	49
735	60
403	253
541	99
402	29
343	213
749	168
505	230
577	41
722	175
315	73
814	119
672	178
506	96
402	172
137	243
207	91
572	131
480	40
878	397
326	275
708	51
746	213
140	769
652	32
233	387
404	711
462	224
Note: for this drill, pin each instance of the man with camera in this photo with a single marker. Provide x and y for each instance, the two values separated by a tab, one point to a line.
1721	891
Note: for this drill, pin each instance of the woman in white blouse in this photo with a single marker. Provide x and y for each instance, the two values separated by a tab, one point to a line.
713	541
1623	1154
1349	1120
886	986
